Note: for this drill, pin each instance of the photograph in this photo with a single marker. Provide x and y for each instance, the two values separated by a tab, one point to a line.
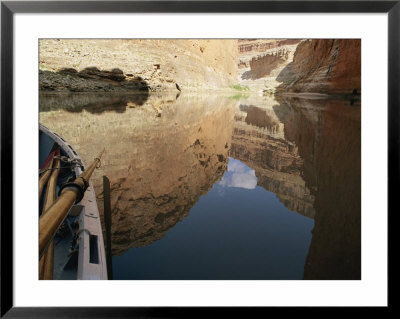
199	159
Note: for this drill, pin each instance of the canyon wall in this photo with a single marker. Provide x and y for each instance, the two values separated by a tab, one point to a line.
262	45
329	66
159	160
262	60
136	65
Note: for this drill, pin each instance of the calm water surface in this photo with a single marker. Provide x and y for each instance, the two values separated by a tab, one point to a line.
223	187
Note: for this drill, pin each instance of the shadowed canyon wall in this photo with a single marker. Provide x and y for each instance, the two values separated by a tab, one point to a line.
331	66
136	65
159	160
328	136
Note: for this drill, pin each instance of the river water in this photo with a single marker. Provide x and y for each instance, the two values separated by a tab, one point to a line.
222	187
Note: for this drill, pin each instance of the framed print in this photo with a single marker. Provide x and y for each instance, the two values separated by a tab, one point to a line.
196	155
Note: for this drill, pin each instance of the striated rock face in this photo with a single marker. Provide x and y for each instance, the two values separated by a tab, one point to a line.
132	65
262	60
324	66
159	160
258	141
262	45
328	136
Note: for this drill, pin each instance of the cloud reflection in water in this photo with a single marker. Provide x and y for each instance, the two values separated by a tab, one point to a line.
238	175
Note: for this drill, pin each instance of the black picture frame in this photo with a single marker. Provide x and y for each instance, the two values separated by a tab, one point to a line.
9	8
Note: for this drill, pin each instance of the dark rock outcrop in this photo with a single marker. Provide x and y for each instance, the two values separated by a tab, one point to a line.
94	73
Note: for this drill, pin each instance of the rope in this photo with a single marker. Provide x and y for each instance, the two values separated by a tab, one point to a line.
50	169
75	161
85	182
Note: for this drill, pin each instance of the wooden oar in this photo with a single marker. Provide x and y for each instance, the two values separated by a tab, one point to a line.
44	178
50	221
47	165
47	261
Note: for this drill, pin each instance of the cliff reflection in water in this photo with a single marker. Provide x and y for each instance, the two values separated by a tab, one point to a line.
159	160
95	103
165	152
328	136
259	141
308	152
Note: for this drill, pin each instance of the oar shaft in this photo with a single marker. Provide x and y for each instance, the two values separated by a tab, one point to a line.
55	215
44	178
51	186
88	172
47	261
48	163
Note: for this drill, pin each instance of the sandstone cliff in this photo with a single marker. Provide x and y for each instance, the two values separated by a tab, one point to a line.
254	46
324	66
136	65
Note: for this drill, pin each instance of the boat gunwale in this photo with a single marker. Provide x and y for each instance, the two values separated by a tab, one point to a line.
89	219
